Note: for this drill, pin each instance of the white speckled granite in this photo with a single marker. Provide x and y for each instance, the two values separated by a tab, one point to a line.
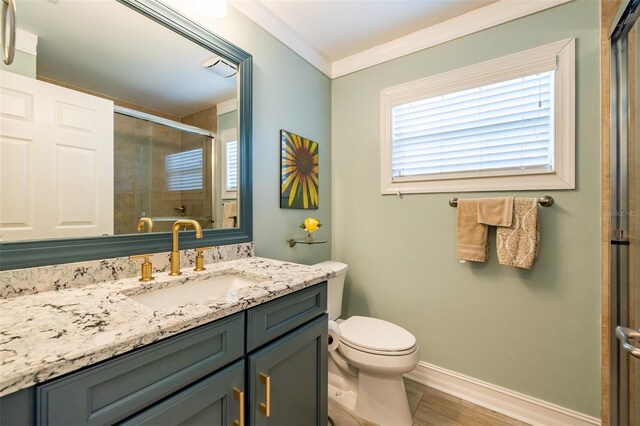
49	334
20	282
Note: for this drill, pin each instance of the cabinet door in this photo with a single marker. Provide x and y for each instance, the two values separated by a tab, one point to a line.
214	401
294	383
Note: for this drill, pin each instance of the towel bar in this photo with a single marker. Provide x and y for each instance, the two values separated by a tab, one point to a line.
544	201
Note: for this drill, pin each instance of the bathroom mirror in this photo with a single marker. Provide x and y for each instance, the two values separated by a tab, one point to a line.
169	106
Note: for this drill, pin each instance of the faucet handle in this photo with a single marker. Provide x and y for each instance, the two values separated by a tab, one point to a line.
147	267
200	258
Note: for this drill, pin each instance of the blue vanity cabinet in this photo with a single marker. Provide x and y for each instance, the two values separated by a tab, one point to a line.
287	359
288	378
208	375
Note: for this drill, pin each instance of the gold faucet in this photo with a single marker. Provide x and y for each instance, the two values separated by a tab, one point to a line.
175	254
144	220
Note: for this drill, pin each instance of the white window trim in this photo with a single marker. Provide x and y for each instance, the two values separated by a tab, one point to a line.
559	56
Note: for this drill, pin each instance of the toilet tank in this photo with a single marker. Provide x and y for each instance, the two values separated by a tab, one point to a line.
334	286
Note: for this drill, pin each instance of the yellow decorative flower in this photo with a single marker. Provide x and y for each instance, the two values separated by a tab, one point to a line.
310	224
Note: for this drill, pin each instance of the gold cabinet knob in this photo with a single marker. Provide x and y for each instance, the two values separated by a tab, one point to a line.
200	258
147	267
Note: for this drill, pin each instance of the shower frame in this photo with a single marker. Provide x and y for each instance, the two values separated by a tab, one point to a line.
620	312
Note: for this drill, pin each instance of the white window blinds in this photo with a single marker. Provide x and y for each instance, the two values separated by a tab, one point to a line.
183	170
232	166
503	126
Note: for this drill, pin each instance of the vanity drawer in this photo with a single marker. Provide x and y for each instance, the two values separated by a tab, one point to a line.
275	318
211	401
118	388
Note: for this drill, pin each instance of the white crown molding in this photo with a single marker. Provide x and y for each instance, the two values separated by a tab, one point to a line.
26	42
265	18
460	26
477	20
511	403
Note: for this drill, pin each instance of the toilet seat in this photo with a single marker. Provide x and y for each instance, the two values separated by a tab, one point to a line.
382	353
376	336
380	364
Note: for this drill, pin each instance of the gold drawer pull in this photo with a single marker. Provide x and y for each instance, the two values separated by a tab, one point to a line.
239	395
265	407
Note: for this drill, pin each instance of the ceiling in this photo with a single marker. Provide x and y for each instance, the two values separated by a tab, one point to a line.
115	51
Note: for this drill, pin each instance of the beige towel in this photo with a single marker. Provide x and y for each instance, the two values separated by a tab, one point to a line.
518	245
230	214
495	211
471	236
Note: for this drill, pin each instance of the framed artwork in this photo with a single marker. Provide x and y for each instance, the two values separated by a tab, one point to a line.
298	172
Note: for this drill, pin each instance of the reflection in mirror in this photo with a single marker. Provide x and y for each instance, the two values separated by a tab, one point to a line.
129	120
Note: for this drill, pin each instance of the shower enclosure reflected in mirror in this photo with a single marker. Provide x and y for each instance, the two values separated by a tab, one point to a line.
124	110
167	173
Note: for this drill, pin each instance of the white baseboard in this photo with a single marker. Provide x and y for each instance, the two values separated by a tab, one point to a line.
505	401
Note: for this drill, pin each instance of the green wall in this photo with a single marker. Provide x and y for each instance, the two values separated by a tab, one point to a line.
536	332
290	94
228	120
23	63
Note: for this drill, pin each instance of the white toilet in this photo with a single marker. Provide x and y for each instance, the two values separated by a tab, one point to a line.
367	364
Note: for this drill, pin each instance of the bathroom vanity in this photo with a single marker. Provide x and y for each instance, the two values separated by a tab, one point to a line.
253	356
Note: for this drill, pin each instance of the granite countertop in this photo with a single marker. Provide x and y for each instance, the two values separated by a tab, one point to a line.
48	334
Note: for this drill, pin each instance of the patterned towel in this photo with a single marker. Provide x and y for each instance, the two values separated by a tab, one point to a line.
518	245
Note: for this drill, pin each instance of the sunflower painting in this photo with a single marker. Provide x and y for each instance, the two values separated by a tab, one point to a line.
298	172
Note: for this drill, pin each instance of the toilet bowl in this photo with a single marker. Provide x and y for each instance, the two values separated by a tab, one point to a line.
367	361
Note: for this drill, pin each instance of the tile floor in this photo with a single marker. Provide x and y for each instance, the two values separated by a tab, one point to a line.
432	407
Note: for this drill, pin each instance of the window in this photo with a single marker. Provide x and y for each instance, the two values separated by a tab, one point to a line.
183	170
231	173
229	140
505	124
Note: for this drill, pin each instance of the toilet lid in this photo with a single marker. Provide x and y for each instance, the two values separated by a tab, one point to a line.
375	334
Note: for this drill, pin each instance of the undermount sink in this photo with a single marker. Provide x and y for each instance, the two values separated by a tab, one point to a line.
201	289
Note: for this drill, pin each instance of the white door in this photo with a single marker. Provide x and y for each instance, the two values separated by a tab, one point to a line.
56	161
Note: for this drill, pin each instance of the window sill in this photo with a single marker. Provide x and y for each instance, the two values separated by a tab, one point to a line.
480	184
